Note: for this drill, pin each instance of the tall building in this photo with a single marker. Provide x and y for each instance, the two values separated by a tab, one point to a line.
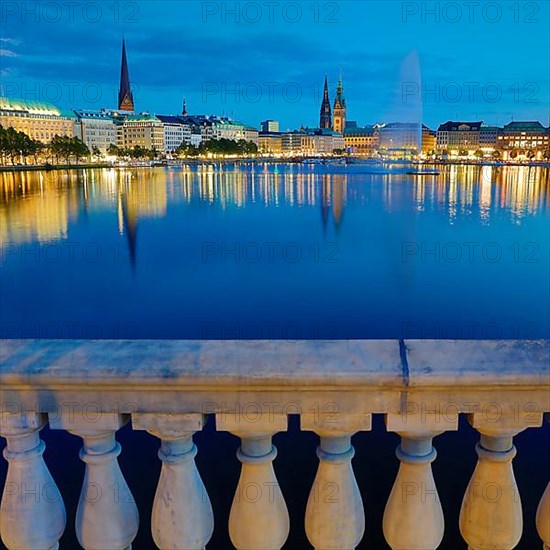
143	130
125	97
361	141
269	126
524	135
458	136
323	141
325	121
176	132
96	129
39	120
488	137
339	112
184	110
401	138
270	142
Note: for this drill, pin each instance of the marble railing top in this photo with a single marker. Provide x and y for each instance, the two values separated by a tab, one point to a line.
274	364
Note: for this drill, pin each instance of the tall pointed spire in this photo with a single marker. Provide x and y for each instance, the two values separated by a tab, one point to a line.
325	120
184	110
125	97
340	91
339	108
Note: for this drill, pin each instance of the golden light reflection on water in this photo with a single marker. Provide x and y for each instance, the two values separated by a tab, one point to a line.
39	206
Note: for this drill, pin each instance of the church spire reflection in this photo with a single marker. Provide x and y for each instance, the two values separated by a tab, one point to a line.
41	206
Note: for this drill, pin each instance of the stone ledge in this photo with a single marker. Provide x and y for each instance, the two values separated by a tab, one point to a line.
355	376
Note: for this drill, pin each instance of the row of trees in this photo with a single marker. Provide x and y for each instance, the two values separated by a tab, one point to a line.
136	152
214	146
19	147
221	146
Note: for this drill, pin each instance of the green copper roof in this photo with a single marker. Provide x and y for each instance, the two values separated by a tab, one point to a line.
141	118
34	108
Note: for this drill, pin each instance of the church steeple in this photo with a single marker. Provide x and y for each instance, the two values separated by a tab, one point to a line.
325	121
184	111
339	108
125	97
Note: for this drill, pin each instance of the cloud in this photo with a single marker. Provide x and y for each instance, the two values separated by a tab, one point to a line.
12	41
7	53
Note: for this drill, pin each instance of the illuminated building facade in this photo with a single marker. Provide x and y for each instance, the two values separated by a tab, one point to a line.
525	138
176	132
488	137
201	128
361	141
96	129
297	143
458	136
400	138
270	142
269	126
40	121
225	128
144	131
323	141
251	134
429	140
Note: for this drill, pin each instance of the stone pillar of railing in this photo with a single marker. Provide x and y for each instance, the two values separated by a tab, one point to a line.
491	514
543	518
413	518
32	513
107	516
259	517
182	515
335	519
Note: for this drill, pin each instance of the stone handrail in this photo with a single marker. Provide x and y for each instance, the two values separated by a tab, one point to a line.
169	388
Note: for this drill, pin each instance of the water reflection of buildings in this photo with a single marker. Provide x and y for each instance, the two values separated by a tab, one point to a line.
140	195
36	206
333	194
465	190
39	206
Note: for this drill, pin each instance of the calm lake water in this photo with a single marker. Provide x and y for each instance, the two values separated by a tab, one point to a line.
275	251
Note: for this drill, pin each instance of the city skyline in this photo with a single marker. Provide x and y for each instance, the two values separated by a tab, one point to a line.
387	82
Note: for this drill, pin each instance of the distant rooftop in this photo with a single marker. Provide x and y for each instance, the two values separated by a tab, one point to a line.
171	119
321	132
91	114
32	107
143	117
358	131
454	126
524	125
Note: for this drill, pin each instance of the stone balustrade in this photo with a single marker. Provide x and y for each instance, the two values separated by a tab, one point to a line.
169	388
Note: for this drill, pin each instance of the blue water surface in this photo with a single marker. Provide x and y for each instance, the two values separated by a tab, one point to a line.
265	250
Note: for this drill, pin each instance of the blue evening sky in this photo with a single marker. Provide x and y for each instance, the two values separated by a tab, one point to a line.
434	61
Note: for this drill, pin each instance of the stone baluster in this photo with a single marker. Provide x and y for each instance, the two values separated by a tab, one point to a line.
259	518
32	513
543	513
182	515
491	515
543	518
335	518
107	517
413	518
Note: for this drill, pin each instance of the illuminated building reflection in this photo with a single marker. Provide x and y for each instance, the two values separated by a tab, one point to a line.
40	206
